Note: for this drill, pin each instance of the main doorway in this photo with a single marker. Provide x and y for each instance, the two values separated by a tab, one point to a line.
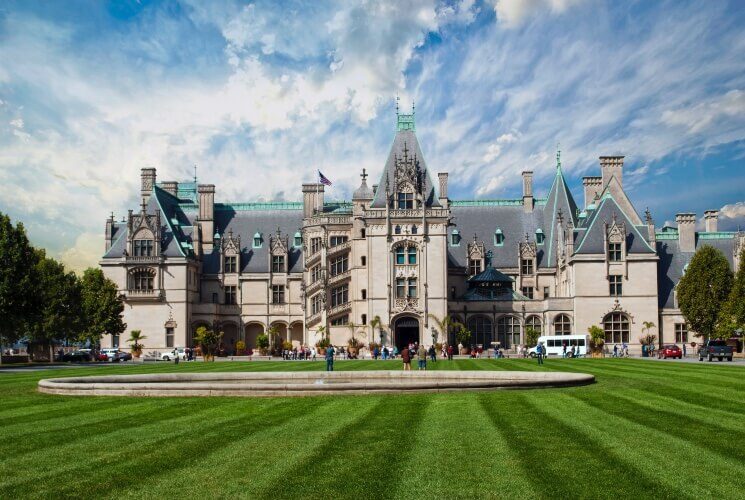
407	332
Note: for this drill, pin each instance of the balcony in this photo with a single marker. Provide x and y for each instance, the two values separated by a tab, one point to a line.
313	319
406	304
340	277
312	259
340	308
316	285
143	295
338	248
144	259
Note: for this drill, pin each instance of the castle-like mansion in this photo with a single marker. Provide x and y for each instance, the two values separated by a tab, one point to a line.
401	251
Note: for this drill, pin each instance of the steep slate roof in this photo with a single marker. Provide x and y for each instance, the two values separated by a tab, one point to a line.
592	239
559	200
407	138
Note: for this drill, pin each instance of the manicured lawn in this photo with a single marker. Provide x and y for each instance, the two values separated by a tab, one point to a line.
645	429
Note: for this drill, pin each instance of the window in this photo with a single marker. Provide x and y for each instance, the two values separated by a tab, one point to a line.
143	248
214	298
452	293
414	229
681	333
539	237
616	326
397	229
142	280
474	266
481	330
362	233
364	319
315	245
534	322
257	240
400	288
364	293
231	295
230	264
316	303
562	325
498	237
298	240
339	295
412	255
412	288
339	265
508	331
115	340
405	201
616	285
526	266
614	252
528	291
455	238
340	320
169	336
278	263
363	260
278	294
338	240
400	257
545	292
315	273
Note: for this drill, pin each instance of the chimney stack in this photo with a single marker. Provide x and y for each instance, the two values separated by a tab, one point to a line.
170	187
651	234
528	190
611	166
711	217
593	185
443	178
686	231
147	181
312	198
206	196
109	231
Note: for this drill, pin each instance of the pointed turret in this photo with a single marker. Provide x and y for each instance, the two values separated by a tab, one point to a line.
559	201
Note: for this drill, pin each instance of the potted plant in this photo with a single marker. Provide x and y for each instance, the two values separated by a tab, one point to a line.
208	341
353	346
135	337
240	348
597	340
377	324
463	337
324	343
262	342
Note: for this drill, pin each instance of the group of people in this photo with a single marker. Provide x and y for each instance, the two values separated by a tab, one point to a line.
621	352
303	352
421	354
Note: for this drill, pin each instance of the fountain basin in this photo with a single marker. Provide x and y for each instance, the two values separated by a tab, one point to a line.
305	383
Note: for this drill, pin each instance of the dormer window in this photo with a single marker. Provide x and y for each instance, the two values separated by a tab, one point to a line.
614	252
278	263
526	266
455	238
498	238
143	248
298	240
539	236
231	264
474	266
257	240
405	201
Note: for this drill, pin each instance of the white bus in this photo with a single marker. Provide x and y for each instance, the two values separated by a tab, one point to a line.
554	344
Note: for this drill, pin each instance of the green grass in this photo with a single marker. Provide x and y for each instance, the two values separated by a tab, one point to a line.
645	429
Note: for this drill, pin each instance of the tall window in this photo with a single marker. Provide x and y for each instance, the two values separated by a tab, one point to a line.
508	331
400	288
474	266
230	264
142	280
545	292
169	336
614	252
143	248
278	263
411	251
340	320
339	295
363	260
257	240
338	240
616	326
315	273
231	296
411	293
534	322
400	256
414	230
363	292
539	237
481	330
405	201
562	325
340	265
278	294
364	319
528	291
681	332
315	245
616	285
397	230
526	266
316	303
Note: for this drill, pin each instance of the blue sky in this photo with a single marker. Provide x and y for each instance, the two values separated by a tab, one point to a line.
261	94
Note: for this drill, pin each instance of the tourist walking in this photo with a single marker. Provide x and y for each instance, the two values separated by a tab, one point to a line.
564	350
422	353
432	354
450	353
330	358
406	358
539	352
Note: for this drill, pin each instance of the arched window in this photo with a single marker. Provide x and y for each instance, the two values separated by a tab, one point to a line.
534	322
562	325
539	236
616	326
142	280
508	331
481	330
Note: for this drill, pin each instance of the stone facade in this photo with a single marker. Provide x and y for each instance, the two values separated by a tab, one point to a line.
401	252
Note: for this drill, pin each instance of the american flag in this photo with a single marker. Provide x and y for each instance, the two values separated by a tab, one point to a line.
323	180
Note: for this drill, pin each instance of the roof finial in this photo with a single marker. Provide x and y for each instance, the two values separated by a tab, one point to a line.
558	156
195	173
364	175
413	108
397	101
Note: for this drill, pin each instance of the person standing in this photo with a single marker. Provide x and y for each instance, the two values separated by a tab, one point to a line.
564	350
406	358
330	358
539	352
684	349
422	354
432	353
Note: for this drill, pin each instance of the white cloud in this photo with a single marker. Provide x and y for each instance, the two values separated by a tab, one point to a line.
698	117
514	12
492	152
84	253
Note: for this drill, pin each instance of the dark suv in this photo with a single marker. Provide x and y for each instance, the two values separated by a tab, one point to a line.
715	349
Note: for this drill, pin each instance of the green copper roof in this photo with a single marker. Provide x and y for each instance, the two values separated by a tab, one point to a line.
486	203
720	235
405	122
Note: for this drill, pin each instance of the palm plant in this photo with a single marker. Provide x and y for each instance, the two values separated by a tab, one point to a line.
650	339
444	325
377	324
135	336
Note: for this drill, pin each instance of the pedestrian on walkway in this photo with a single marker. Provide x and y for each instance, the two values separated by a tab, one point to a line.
422	354
406	358
684	349
432	353
539	352
450	353
330	358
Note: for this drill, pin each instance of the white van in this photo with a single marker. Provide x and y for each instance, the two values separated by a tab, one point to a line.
554	344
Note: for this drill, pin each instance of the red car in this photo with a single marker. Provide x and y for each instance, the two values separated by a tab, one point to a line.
670	351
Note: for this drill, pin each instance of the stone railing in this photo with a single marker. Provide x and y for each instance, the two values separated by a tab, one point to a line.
406	304
338	248
339	277
312	259
313	319
143	294
340	308
330	219
143	259
313	287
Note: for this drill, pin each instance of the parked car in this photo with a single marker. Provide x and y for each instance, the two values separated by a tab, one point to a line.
169	355
670	351
114	355
76	356
715	349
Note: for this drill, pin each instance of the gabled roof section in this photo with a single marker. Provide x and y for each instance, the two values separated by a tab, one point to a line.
559	200
592	240
619	195
490	275
405	144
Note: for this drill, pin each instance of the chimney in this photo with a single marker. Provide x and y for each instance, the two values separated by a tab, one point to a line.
592	186
147	178
206	197
170	187
443	178
711	217
312	198
686	231
528	191
612	166
109	231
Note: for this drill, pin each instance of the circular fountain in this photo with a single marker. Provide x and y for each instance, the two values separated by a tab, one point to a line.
306	383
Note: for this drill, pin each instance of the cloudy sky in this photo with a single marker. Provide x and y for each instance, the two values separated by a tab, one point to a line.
260	95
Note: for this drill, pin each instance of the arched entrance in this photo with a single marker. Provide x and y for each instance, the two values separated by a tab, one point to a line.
406	331
253	330
296	334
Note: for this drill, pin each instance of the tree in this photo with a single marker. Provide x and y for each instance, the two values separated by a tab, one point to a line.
703	289
462	334
17	267
101	306
648	338
597	338
443	325
208	341
531	336
135	336
732	314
